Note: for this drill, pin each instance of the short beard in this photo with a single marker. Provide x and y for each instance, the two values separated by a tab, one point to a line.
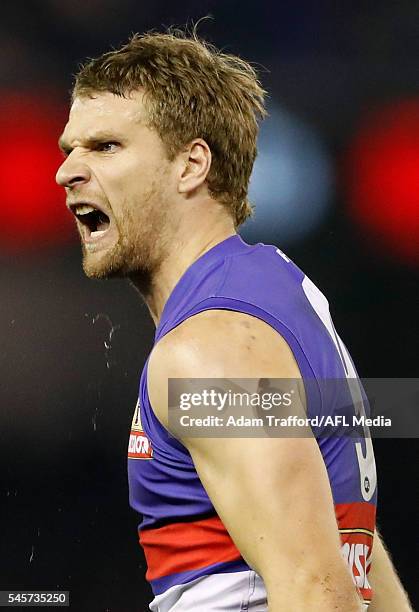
142	245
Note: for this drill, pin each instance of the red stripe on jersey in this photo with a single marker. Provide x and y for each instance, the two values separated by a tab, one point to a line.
187	546
356	515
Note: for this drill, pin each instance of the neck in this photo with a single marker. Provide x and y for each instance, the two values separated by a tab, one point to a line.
179	257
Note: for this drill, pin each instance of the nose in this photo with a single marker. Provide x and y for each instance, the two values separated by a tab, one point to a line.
72	173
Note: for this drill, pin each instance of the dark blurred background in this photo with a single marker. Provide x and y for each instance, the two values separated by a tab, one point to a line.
336	186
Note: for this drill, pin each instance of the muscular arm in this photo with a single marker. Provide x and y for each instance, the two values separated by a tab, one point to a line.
272	494
389	594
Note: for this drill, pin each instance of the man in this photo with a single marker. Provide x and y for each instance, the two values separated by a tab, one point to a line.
159	148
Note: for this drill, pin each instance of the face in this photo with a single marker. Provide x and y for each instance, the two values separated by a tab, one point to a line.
119	183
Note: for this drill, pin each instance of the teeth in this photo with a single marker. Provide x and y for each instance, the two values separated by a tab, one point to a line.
84	209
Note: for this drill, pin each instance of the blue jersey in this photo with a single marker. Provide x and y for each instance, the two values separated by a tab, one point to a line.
182	536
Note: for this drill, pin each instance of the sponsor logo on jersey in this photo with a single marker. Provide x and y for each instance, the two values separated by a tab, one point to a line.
139	446
358	558
356	526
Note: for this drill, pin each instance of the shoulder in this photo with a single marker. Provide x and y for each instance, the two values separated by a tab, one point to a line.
224	343
218	344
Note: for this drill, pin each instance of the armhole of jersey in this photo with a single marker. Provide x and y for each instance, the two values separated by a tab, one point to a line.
312	388
164	435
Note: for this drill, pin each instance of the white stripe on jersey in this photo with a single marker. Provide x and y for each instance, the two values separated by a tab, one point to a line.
230	592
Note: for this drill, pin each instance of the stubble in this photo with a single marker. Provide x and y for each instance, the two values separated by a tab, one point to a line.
143	239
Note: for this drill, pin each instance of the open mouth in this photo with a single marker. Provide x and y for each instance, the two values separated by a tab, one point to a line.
95	222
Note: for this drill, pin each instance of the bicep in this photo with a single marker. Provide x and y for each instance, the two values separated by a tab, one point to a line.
273	496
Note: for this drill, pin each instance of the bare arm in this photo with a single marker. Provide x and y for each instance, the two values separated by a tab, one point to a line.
389	594
272	494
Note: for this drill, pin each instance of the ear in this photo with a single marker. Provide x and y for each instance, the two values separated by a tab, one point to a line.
196	165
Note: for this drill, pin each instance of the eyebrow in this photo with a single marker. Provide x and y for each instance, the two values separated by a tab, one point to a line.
90	141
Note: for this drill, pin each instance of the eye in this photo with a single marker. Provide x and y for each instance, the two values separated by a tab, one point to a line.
107	147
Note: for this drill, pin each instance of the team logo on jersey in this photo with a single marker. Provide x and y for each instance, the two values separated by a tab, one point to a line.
139	446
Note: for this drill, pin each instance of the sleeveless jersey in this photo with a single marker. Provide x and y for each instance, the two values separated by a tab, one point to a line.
182	536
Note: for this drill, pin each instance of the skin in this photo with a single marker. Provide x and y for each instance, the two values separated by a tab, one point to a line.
162	218
389	594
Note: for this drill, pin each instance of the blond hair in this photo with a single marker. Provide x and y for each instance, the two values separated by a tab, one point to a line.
191	90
